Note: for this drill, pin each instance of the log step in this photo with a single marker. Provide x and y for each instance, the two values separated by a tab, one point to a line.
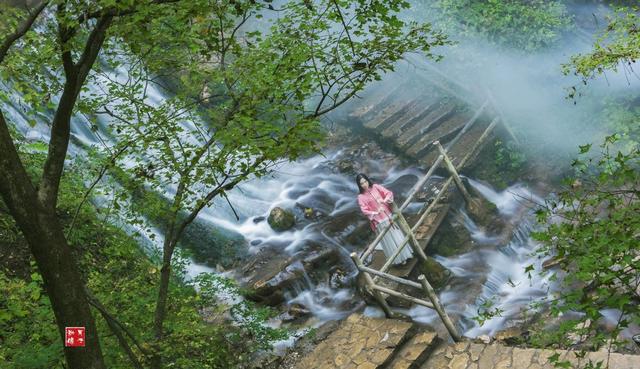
413	118
431	121
445	131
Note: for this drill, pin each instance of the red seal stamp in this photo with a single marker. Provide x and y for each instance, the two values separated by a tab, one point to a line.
74	336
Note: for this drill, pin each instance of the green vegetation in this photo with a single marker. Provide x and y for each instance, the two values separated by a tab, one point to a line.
618	47
520	24
124	280
622	116
252	92
596	243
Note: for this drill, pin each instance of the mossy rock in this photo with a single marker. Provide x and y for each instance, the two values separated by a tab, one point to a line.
436	274
281	219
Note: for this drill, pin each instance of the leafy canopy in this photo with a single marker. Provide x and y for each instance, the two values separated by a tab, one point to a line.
594	232
617	47
525	25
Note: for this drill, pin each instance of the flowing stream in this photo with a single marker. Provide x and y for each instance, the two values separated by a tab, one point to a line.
493	273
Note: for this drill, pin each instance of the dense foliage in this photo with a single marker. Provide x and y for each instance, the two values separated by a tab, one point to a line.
525	25
594	233
254	79
123	279
617	48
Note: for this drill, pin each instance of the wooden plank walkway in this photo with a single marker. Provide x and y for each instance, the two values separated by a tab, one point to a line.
424	234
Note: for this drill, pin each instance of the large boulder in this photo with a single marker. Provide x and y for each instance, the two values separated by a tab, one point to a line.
272	271
280	219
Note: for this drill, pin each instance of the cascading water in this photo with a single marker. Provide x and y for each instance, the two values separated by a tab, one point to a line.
315	184
312	183
494	278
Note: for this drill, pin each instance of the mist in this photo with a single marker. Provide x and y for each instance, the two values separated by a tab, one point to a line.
529	88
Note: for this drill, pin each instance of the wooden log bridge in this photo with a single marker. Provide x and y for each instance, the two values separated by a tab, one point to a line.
418	235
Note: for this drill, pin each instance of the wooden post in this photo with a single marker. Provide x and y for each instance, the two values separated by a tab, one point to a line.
504	121
420	183
417	250
370	286
404	296
454	173
467	125
391	277
483	137
431	294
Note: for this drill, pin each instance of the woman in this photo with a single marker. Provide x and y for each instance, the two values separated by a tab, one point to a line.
374	201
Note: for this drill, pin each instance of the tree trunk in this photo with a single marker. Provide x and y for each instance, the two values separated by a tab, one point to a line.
161	303
44	234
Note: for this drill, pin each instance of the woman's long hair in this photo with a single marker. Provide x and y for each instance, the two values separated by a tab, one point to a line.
359	177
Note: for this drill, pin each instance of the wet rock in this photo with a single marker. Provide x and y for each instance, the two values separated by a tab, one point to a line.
510	336
319	200
436	274
271	272
258	219
483	339
317	254
265	274
280	219
345	166
297	311
308	213
451	238
338	278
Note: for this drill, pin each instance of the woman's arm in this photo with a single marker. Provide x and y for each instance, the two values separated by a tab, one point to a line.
366	209
387	196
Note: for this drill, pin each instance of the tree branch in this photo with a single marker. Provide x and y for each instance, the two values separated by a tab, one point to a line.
101	174
61	127
117	328
21	31
112	12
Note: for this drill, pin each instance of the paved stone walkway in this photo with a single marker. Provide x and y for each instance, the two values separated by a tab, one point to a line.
359	343
377	343
467	355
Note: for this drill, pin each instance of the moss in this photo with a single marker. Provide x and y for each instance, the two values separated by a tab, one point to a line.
119	274
436	274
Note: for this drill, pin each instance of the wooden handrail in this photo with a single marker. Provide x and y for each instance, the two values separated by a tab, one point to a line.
403	296
390	277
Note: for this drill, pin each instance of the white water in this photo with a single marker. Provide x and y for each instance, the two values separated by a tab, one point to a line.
311	183
492	273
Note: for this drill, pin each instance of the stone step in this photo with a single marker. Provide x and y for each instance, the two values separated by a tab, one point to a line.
374	102
423	235
415	352
375	122
444	132
431	121
359	342
425	232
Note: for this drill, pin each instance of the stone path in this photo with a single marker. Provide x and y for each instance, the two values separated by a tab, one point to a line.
377	343
467	355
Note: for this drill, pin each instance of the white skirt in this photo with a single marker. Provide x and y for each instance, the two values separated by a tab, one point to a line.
392	240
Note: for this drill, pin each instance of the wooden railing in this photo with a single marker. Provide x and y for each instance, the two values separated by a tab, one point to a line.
433	302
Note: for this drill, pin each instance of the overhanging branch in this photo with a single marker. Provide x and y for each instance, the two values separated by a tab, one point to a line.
22	30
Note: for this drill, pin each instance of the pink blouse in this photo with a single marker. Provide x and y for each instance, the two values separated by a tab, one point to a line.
375	204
